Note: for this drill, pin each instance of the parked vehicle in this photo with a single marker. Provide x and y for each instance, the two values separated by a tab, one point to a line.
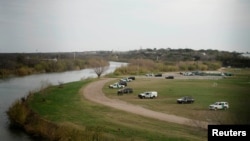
148	94
125	91
158	75
116	86
187	73
219	106
126	79
185	99
228	74
123	83
169	77
131	77
149	75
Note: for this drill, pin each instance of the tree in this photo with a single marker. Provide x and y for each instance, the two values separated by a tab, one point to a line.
99	65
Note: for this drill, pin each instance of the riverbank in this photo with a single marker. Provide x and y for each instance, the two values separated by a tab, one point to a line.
66	115
67	112
14	88
23	116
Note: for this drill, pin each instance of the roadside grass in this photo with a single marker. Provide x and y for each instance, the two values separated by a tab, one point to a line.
67	107
234	89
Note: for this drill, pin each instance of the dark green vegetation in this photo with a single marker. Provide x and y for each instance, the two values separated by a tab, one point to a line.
21	64
64	114
163	59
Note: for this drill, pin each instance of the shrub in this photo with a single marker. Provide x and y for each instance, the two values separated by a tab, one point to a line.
24	71
21	115
18	112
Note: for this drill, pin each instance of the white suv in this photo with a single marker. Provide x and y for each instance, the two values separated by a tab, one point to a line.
149	94
219	106
116	86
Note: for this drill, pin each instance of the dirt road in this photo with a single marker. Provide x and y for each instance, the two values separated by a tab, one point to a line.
93	92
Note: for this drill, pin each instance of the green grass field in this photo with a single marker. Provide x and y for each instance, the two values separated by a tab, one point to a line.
66	106
235	90
205	92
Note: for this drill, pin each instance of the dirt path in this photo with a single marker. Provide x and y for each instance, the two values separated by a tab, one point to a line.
93	92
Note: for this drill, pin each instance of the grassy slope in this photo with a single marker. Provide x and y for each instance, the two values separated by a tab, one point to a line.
67	106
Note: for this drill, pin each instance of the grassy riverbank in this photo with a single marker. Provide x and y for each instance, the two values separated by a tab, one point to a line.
62	113
65	114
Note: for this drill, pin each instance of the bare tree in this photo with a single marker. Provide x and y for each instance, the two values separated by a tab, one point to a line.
99	65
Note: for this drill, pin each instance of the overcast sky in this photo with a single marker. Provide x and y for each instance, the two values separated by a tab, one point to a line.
123	25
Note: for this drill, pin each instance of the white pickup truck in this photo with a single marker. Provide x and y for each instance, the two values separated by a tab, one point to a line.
219	106
116	86
126	79
148	94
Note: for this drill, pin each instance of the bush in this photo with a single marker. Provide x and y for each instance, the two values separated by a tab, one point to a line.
24	71
22	116
18	112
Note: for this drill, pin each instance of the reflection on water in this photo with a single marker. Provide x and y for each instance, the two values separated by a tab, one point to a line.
14	88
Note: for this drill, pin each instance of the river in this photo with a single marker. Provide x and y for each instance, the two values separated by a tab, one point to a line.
14	88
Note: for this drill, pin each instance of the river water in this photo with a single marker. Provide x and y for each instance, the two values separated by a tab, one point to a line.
15	88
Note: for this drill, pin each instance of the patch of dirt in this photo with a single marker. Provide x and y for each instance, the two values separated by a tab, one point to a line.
93	92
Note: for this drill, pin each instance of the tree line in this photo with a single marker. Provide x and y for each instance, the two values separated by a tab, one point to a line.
140	61
21	64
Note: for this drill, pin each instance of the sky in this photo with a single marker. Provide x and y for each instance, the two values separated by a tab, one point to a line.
123	25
